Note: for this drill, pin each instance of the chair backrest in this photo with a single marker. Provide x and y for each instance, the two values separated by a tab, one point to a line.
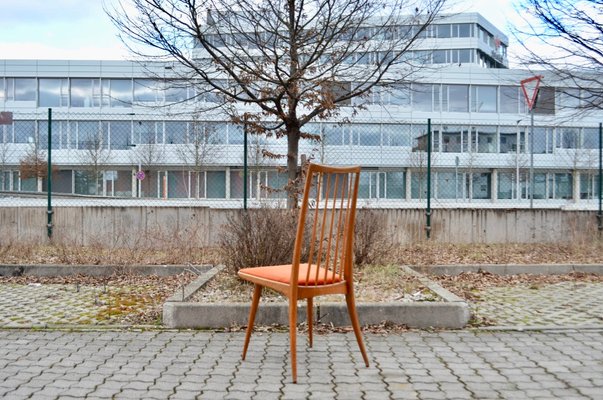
325	232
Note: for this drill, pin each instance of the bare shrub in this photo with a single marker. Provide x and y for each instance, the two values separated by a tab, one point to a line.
372	245
264	236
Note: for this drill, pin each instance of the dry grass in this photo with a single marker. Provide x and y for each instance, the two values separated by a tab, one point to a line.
421	254
425	254
372	284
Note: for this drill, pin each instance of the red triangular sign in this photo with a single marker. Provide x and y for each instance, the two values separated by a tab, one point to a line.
529	88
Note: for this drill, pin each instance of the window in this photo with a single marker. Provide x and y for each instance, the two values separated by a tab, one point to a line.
512	100
506	186
545	101
395	135
543	140
508	139
486	139
483	99
589	185
569	99
454	138
120	135
25	131
480	183
590	138
53	93
462	30
147	91
567	138
395	183
175	132
443	31
177	92
21	89
457	97
117	92
366	134
422	97
560	186
333	135
372	185
85	93
216	184
449	185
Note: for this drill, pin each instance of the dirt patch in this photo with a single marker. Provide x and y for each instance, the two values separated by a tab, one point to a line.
372	284
122	299
469	284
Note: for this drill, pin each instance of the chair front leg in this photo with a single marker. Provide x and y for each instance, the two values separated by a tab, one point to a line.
293	337
257	292
310	318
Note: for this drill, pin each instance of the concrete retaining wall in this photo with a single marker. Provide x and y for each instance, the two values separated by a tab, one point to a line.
142	225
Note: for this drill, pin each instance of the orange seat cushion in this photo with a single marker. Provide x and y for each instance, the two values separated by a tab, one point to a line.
282	273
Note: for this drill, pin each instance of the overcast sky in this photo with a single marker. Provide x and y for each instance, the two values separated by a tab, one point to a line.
79	29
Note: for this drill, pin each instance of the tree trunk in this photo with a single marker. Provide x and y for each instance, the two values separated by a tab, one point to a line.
292	172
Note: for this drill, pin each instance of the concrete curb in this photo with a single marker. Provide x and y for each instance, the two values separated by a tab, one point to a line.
99	270
511	269
452	312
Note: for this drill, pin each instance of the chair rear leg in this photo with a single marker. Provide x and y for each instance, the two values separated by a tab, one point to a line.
349	298
257	292
310	318
293	338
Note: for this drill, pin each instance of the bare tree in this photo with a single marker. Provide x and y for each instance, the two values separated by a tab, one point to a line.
287	61
5	155
95	155
199	150
566	38
33	164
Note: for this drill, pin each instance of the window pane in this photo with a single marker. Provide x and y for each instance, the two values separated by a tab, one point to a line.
452	138
25	131
506	185
510	99
481	186
53	93
120	134
396	185
484	99
25	89
449	184
175	132
545	101
563	186
85	92
121	92
443	31
458	98
396	134
422	97
216	184
590	138
146	90
178	184
486	139
464	30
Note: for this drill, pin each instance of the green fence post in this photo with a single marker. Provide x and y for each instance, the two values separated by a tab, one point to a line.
245	183
49	176
428	212
600	214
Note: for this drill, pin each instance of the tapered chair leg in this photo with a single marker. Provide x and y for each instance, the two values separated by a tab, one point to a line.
257	292
310	318
349	298
293	337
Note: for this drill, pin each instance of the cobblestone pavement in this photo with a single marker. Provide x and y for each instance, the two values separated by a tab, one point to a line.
411	365
37	305
561	304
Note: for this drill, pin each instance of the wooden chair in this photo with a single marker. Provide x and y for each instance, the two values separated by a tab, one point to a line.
323	253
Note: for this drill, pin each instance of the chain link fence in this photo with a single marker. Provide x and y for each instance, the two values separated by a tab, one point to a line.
152	159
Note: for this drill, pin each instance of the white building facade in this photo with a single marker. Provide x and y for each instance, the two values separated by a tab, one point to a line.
119	133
